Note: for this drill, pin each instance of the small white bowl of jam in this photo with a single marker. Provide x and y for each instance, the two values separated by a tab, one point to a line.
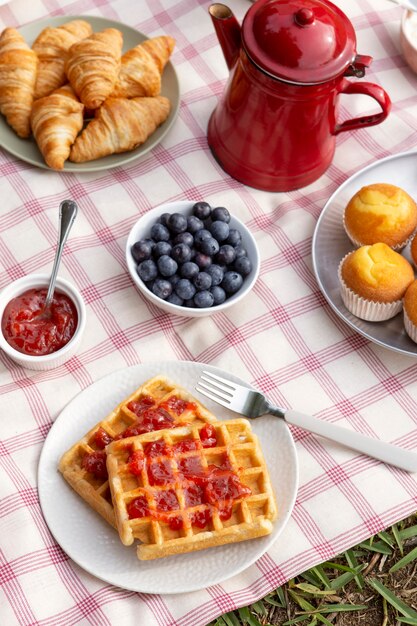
35	338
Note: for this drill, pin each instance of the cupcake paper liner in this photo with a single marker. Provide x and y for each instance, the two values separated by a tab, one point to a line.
410	328
368	310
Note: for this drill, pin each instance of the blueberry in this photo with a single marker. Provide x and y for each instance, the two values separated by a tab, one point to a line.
166	265
240	251
149	284
173	279
186	238
232	282
202	281
181	253
203	299
220	213
203	261
177	223
141	250
209	247
147	270
201	235
216	272
159	232
189	303
219	294
174	299
164	218
162	288
202	210
185	289
160	248
194	224
234	237
219	230
243	265
226	255
189	269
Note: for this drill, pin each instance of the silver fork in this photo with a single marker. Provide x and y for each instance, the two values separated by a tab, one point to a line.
253	404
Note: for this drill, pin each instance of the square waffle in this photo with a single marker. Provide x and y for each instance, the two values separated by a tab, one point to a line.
189	488
158	403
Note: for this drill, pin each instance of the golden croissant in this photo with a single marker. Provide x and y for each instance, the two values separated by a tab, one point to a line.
142	67
120	125
93	65
52	46
56	121
18	66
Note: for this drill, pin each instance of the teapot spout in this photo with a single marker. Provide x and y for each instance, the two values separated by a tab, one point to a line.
228	32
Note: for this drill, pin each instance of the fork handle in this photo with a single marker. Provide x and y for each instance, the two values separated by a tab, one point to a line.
386	452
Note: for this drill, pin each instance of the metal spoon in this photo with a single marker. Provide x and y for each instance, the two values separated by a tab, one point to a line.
67	213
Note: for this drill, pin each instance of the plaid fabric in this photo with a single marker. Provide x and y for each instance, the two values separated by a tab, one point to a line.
284	339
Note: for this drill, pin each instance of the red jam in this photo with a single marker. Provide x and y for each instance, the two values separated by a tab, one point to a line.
137	508
95	463
178	406
215	486
149	420
160	473
31	330
102	438
136	462
208	436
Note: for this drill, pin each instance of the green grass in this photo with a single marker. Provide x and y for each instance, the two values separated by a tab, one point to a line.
372	584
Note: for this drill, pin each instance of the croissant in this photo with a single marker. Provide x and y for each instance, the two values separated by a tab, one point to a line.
142	67
56	121
93	65
119	125
52	46
18	66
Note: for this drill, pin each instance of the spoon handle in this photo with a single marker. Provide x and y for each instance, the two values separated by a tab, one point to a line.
67	213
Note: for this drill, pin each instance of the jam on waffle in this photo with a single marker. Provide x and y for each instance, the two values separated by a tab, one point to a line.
159	403
190	488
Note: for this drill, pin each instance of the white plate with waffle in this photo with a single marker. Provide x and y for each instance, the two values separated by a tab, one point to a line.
95	545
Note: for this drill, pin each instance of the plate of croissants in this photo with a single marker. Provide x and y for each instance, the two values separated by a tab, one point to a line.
84	93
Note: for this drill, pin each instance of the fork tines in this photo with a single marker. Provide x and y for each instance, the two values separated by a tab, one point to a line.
215	391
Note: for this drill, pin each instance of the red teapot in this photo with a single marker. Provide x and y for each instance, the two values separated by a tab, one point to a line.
275	125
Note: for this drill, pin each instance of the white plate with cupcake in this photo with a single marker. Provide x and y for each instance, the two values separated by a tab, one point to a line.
365	252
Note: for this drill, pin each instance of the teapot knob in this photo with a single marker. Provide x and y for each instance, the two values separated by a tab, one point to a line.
304	17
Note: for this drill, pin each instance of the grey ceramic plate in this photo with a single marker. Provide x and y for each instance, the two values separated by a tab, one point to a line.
27	150
330	244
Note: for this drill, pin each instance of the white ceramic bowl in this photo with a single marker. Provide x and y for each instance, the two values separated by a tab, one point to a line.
141	230
55	359
408	38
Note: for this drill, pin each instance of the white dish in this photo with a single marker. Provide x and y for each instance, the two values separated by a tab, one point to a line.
96	547
331	244
27	150
55	359
141	230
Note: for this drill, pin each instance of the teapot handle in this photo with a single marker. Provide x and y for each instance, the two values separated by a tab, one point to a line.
368	89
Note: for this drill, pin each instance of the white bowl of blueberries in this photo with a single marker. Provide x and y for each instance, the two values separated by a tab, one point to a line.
191	259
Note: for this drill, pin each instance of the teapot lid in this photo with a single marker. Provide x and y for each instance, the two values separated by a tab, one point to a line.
299	41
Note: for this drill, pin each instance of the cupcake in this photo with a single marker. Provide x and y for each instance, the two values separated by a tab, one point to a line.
380	213
410	311
373	280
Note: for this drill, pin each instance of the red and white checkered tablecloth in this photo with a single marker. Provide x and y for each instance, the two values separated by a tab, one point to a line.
284	339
